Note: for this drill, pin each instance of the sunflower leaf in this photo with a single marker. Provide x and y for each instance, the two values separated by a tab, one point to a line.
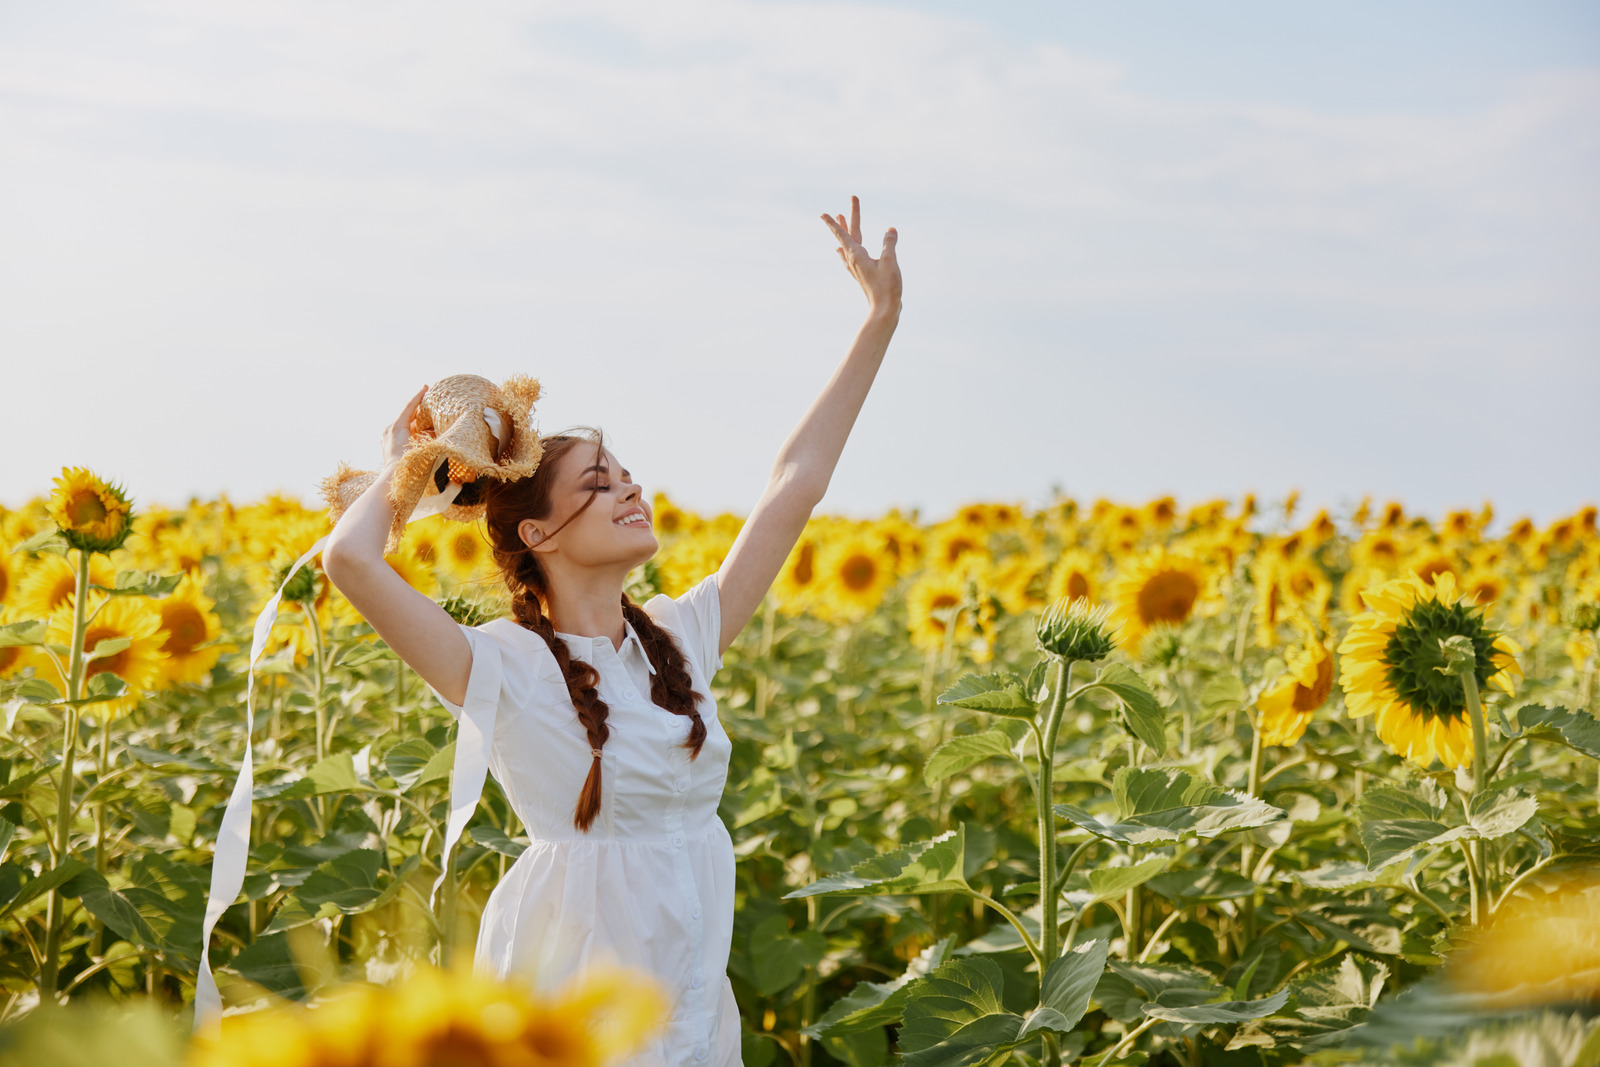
999	694
1578	730
1141	710
49	541
871	1005
1227	1011
935	866
1155	805
1109	883
140	583
335	774
955	1017
957	754
22	634
1398	821
107	648
1068	984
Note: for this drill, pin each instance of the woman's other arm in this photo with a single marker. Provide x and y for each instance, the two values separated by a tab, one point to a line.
419	631
805	463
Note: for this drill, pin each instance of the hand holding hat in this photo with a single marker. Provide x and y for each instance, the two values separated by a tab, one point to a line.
466	431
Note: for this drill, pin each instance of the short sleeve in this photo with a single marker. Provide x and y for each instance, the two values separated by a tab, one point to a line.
483	683
696	617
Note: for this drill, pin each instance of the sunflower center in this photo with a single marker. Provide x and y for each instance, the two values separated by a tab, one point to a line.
427	552
858	573
805	567
8	658
958	547
1077	586
116	663
465	547
1433	568
185	626
62	592
85	508
939	603
1413	657
1301	584
1167	597
1311	697
5	584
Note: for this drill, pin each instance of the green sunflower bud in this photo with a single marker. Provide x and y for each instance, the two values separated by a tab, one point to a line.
1586	617
1075	630
302	588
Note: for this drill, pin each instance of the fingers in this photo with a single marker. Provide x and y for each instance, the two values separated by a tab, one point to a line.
855	217
890	239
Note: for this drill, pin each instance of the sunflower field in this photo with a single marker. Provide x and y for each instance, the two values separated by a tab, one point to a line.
1093	782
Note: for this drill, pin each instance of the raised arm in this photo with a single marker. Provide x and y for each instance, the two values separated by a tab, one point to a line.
419	631
805	463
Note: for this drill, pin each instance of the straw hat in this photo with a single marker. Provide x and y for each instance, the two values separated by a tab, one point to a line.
466	432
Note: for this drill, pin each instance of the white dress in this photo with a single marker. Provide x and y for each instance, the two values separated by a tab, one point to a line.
651	884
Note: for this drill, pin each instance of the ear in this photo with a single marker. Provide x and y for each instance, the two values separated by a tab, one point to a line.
532	536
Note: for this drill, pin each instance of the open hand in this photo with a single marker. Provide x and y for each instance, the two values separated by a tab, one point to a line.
398	433
879	278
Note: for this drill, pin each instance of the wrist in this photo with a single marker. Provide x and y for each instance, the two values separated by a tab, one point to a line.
885	313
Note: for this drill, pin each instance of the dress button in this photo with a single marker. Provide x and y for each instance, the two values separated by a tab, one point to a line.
677	840
630	695
681	784
694	912
700	1052
696	982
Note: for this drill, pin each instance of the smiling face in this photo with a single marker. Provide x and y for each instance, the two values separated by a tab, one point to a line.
614	530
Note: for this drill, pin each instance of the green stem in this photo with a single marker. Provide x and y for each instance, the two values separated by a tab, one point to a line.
1248	852
1071	865
69	746
1482	891
1016	924
1049	928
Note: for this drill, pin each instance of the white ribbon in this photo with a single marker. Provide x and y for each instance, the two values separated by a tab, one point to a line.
232	853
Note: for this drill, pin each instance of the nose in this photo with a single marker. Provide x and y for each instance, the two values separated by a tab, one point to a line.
633	494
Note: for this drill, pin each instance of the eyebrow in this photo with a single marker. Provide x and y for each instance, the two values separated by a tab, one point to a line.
607	470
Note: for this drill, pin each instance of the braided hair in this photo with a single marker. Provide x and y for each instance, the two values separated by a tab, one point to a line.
508	504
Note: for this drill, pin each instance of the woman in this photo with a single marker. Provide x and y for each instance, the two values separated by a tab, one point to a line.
606	737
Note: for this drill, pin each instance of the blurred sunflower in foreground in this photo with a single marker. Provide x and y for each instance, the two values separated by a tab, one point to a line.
1393	666
1539	949
452	1018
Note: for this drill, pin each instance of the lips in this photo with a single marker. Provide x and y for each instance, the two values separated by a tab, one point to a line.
636	517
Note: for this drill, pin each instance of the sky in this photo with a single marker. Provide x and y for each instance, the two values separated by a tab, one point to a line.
1148	247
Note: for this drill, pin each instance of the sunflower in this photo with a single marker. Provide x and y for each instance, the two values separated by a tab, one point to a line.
1391	660
904	541
425	540
189	632
854	573
7	578
1297	586
92	514
1159	586
1287	707
690	557
668	519
1432	560
466	549
49	584
1076	576
435	1016
14	658
930	603
798	582
408	563
950	542
1017	582
139	664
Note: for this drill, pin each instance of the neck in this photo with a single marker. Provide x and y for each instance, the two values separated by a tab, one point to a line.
587	605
